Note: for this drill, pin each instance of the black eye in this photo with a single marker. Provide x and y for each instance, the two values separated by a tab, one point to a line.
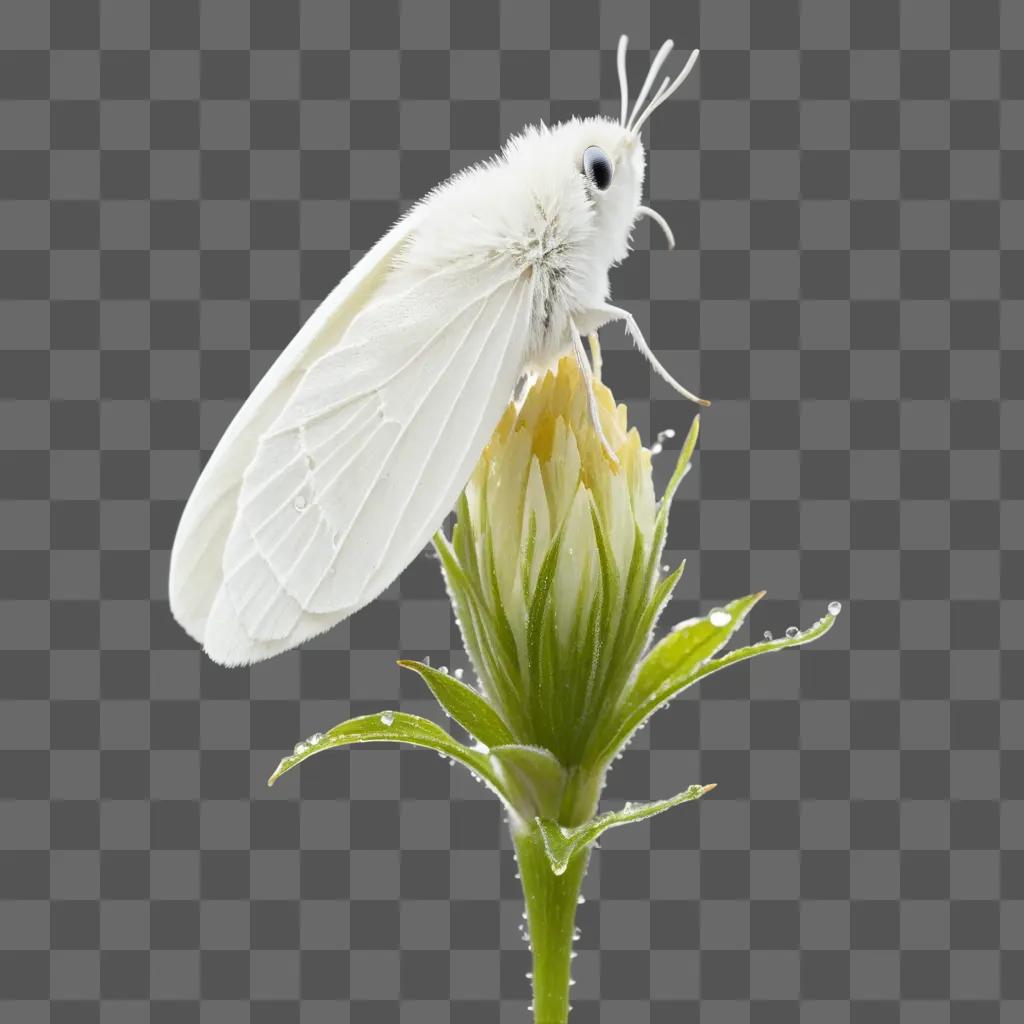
597	167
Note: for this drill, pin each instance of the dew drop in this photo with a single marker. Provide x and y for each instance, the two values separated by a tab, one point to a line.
315	739
666	435
656	448
580	899
834	607
387	718
443	669
457	673
792	632
719	617
666	568
301	501
768	635
300	748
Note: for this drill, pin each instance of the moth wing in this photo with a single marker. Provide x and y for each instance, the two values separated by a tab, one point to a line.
367	457
195	566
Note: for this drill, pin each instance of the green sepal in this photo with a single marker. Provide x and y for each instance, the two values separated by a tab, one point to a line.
635	712
398	727
665	501
561	843
533	776
466	705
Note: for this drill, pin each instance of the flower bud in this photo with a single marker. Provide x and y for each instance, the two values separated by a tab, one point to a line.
553	559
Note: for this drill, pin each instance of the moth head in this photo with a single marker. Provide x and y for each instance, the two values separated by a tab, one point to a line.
605	168
610	155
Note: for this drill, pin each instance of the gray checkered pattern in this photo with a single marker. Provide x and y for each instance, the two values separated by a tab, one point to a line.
181	182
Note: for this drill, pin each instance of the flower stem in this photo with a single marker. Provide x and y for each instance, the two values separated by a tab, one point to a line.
551	902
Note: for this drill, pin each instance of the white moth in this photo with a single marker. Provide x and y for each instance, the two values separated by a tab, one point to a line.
352	449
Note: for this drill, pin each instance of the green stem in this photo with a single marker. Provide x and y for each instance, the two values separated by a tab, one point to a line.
551	902
551	899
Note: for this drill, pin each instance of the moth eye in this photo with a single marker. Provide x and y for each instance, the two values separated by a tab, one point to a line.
597	167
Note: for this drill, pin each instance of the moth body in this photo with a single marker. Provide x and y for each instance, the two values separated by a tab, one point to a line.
352	449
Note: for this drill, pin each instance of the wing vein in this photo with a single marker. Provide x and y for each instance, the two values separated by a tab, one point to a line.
431	388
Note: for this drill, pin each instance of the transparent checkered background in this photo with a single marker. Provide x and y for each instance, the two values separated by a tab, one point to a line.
180	183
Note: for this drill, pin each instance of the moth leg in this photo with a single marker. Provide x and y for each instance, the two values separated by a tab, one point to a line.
615	313
595	354
589	376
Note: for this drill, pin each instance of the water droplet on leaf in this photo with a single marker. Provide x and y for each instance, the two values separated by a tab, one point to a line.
768	635
387	718
834	607
719	617
792	632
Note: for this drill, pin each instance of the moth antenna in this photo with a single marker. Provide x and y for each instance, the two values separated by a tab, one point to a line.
620	61
660	57
664	94
646	211
588	377
656	98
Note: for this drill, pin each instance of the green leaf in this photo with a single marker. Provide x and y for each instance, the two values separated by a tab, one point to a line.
466	705
398	727
535	773
636	711
562	843
688	645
